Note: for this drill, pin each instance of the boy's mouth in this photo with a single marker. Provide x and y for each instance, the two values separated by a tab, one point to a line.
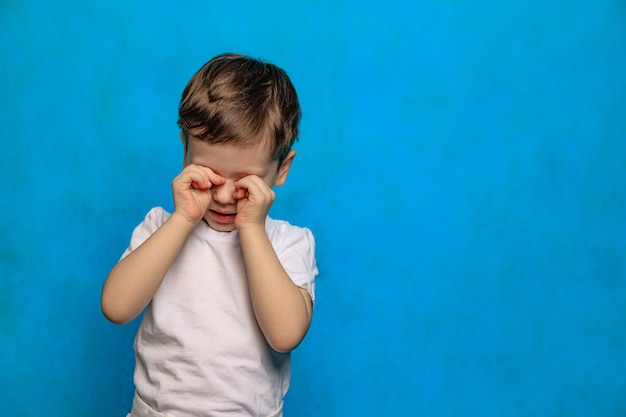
221	217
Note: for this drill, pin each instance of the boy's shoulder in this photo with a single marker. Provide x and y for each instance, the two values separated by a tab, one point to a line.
283	231
281	225
156	217
158	214
279	231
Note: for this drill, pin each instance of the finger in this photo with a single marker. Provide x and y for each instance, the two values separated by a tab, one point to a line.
215	179
255	186
195	178
203	178
240	193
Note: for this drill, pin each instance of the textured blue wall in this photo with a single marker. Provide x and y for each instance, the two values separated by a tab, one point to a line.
461	164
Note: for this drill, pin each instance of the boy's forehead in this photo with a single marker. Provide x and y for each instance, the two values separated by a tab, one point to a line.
259	143
231	156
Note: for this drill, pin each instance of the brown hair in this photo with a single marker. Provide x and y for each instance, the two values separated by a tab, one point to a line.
235	98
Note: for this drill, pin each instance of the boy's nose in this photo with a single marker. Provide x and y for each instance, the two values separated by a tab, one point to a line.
224	194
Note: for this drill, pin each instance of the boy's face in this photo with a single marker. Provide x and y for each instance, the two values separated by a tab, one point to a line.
233	162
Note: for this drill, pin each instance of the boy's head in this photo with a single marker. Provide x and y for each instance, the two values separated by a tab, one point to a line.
244	101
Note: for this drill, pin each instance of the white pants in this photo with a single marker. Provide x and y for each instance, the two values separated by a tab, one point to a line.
141	409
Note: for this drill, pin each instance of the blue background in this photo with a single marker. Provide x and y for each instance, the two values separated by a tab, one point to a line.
461	164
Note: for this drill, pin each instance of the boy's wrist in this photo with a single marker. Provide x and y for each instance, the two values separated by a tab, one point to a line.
252	230
182	221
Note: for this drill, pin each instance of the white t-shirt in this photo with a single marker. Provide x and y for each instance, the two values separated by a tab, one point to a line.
199	350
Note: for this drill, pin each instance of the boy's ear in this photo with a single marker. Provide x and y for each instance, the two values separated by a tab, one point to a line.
185	147
283	170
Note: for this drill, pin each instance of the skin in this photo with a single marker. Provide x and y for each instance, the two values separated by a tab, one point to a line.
229	187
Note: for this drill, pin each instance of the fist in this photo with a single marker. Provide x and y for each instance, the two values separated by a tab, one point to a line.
254	199
192	191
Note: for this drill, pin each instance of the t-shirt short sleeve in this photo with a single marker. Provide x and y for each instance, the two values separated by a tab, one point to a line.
295	248
153	220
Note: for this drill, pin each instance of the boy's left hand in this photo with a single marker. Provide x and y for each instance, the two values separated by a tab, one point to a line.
254	199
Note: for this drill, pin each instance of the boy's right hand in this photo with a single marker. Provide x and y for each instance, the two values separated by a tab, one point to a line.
191	189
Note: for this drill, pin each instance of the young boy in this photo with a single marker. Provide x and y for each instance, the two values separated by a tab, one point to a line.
229	291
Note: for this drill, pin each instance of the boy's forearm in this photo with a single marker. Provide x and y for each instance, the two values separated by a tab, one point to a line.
282	309
132	283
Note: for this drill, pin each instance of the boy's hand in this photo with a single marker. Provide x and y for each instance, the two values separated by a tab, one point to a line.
254	199
191	189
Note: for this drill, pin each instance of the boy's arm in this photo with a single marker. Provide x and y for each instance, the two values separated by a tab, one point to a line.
282	309
132	283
